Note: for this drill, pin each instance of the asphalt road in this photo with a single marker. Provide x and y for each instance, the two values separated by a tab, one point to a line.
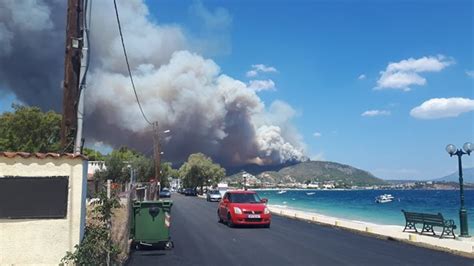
200	240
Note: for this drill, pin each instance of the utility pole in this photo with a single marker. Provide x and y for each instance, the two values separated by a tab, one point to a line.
156	143
72	66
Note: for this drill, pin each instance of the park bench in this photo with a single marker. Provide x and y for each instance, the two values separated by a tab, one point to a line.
428	221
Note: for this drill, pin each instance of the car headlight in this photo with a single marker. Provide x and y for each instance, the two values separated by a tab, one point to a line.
237	210
266	211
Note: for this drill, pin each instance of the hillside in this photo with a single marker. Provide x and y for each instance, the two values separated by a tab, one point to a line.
314	171
468	176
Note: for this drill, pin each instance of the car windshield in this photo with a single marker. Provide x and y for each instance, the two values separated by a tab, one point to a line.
244	198
215	192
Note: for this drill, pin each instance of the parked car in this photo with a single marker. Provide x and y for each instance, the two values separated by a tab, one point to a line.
244	207
165	193
190	192
213	195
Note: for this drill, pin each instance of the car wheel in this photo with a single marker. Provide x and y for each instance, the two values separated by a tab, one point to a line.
266	225
229	221
219	217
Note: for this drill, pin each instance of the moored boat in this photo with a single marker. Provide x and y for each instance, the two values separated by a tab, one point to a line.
384	198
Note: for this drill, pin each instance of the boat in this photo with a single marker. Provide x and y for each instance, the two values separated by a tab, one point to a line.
310	193
281	191
384	198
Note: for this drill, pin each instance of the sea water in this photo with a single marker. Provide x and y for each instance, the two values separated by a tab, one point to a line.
360	205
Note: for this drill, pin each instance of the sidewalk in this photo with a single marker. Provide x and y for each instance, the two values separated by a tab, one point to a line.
461	246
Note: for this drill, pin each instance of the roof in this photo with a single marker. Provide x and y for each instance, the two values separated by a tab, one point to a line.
38	155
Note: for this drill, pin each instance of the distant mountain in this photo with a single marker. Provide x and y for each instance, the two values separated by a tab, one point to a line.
316	171
467	173
256	169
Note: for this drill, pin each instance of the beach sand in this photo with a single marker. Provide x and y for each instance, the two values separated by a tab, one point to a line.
461	246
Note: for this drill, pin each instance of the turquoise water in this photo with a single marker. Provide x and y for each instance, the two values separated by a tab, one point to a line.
360	205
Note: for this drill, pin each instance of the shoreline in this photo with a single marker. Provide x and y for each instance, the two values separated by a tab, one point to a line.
464	246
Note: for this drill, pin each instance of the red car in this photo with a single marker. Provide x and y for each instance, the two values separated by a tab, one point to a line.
243	207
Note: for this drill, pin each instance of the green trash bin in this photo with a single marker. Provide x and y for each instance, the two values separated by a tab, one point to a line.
151	223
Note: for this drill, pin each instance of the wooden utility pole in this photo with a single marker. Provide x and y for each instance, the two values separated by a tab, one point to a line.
156	143
72	66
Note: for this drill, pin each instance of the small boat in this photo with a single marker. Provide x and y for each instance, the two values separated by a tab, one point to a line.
281	191
310	193
384	198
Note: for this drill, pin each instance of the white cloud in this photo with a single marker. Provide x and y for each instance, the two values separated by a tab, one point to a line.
442	107
470	73
262	85
258	68
406	72
371	113
317	134
361	77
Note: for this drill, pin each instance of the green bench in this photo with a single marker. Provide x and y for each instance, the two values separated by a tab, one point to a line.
428	221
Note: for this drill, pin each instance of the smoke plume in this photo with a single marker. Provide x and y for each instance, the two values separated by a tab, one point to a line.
206	110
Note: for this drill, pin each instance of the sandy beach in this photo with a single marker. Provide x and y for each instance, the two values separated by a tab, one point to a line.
462	246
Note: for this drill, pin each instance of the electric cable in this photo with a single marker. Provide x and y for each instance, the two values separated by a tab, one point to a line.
128	65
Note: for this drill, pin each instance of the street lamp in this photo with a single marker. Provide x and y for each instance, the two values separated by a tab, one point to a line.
158	153
452	150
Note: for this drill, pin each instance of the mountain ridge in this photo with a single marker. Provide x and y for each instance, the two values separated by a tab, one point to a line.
468	176
313	172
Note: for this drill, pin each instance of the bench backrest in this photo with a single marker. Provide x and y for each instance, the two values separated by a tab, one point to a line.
413	216
434	219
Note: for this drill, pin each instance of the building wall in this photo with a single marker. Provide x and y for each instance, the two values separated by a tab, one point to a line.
44	241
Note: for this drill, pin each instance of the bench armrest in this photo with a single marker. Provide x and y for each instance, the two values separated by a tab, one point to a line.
449	223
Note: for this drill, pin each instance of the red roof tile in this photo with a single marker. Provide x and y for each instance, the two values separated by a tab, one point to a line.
41	155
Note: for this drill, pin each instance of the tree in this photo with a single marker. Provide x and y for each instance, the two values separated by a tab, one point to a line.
167	172
144	168
93	155
28	129
200	170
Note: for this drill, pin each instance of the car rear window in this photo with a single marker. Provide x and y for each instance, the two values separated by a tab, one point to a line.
244	198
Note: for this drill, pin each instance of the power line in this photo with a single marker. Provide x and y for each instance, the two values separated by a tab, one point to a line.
128	65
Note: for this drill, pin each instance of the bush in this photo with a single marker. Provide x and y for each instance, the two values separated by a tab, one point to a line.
96	243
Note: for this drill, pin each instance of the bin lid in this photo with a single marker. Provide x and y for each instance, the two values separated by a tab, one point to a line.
160	203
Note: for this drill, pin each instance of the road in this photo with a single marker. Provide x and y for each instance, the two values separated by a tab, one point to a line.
200	240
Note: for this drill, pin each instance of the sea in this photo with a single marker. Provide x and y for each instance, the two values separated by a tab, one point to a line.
360	205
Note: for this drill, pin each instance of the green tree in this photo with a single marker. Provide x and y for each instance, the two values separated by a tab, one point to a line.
144	167
167	172
28	129
200	170
93	155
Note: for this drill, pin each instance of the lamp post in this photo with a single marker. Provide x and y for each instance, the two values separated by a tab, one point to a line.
158	153
452	150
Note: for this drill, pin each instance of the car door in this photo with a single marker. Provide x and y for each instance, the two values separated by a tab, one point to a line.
223	206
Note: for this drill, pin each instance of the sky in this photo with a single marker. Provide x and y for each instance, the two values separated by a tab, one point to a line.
380	85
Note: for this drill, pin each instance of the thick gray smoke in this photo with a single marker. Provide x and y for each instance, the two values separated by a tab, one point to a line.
32	50
206	110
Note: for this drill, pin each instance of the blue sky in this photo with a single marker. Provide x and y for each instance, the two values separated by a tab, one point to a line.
320	48
328	57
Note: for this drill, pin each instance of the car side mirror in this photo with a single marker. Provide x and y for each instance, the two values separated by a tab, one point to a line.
264	201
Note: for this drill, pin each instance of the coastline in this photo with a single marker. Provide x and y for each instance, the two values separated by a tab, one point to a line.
464	246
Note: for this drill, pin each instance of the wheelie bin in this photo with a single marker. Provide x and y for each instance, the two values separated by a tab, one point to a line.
150	225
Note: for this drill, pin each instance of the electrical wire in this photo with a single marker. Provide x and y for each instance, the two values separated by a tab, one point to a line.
128	65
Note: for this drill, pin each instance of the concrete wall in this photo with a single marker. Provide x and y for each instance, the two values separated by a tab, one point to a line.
44	241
